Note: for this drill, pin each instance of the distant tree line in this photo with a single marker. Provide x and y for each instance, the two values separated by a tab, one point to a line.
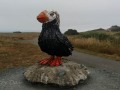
114	28
17	32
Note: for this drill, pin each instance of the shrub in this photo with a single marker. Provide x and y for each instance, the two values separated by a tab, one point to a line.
71	32
114	28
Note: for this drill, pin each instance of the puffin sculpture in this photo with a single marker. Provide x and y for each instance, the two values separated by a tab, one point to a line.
51	40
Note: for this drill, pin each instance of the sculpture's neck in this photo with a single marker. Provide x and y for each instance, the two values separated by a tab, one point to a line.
50	24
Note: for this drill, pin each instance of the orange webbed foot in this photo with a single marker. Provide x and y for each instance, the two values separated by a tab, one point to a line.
46	61
56	62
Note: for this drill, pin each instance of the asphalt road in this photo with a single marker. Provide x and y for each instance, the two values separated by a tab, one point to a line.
105	75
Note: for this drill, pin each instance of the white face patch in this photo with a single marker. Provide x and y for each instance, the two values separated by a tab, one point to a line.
51	15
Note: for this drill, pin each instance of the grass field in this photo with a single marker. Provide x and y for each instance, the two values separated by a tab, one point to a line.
103	43
17	54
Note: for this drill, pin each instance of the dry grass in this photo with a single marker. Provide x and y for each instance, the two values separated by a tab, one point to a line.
18	36
104	47
15	54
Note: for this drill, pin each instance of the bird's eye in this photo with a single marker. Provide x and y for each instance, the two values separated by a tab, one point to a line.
51	14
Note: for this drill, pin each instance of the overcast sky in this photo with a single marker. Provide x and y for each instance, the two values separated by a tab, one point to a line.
82	15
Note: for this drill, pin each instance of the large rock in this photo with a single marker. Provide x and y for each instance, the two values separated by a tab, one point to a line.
68	74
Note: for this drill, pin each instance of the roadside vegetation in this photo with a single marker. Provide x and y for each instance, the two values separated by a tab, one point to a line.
17	54
99	41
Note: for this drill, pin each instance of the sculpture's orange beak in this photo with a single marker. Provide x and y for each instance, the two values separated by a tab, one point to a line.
42	17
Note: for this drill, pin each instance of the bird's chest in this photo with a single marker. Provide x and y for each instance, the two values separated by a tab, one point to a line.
48	33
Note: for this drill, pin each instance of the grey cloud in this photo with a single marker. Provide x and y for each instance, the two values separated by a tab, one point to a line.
77	14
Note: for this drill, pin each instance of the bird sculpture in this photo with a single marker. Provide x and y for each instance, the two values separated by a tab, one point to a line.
51	40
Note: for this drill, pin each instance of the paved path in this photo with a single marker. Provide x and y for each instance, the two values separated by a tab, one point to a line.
105	75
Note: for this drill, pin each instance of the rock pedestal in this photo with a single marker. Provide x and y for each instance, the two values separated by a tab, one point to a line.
67	74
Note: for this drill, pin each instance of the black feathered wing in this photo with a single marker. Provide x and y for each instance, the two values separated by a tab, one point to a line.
64	40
